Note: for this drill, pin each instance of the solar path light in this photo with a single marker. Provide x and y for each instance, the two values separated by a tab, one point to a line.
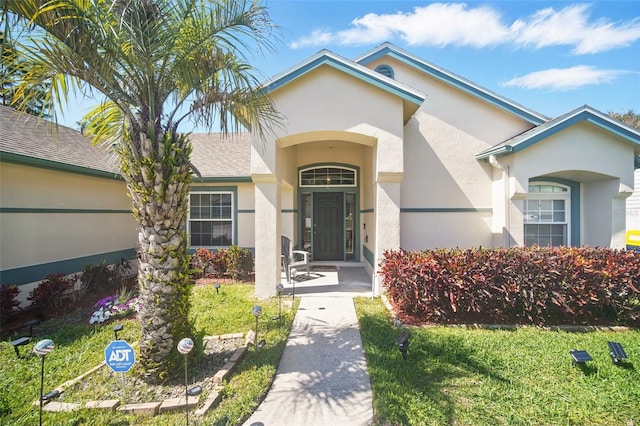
402	342
279	290
42	349
617	352
579	357
257	311
116	328
184	347
217	287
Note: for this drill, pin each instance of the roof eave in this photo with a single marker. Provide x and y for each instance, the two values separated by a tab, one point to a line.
26	160
330	59
388	49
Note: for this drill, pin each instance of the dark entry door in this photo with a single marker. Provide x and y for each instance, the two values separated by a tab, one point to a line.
328	217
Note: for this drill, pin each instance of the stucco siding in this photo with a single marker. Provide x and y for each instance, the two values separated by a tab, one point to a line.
51	217
580	148
439	169
446	102
336	101
422	230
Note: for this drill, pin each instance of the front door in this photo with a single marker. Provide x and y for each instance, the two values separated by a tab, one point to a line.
328	217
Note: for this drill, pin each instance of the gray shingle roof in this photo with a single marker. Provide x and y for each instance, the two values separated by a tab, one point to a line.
24	135
217	155
28	137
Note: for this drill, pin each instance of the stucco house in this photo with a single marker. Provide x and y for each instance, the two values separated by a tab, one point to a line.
381	152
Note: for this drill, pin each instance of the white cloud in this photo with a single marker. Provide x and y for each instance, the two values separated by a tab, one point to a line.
437	24
316	38
570	26
562	79
458	24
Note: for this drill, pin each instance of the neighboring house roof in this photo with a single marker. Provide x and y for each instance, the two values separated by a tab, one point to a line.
451	79
29	140
413	98
584	113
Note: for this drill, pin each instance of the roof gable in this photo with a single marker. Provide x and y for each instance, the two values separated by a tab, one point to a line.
327	58
451	79
543	131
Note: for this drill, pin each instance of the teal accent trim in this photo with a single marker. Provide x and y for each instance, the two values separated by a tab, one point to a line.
25	160
366	211
556	125
363	74
234	190
368	255
55	211
289	211
344	189
575	204
247	211
455	81
29	274
446	210
223	179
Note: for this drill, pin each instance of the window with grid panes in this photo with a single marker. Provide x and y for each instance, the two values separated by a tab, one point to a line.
546	215
210	222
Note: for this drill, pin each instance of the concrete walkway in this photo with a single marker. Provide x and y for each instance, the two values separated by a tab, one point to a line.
322	377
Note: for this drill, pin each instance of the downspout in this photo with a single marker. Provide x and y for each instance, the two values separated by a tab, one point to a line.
507	204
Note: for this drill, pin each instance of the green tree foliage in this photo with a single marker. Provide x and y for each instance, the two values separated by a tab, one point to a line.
157	63
12	68
630	118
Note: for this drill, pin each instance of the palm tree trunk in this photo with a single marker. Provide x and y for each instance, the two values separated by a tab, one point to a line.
158	181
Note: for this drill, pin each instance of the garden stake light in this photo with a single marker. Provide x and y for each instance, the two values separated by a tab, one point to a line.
403	343
42	348
257	311
116	328
217	286
184	347
279	290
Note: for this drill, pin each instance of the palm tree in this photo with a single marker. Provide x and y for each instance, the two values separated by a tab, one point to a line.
157	63
11	69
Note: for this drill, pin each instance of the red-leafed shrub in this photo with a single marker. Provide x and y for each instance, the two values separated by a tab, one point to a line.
531	285
49	293
8	302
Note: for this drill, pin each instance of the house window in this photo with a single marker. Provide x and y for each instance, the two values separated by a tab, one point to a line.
211	219
385	70
546	215
327	176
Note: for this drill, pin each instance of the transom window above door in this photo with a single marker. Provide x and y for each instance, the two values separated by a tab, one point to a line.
328	176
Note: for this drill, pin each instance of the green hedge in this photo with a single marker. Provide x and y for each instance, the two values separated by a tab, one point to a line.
532	285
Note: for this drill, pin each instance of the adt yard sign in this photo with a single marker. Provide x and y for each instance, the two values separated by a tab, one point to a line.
119	356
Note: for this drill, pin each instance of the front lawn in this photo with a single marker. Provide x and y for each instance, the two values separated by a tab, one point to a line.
80	346
460	376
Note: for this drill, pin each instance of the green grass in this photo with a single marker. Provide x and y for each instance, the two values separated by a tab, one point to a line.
80	347
459	376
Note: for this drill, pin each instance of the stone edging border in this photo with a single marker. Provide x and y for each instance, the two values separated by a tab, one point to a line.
569	328
167	405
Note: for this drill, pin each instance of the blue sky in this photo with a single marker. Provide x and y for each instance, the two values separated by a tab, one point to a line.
550	56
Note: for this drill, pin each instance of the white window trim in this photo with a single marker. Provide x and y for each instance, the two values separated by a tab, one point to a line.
231	218
565	195
355	177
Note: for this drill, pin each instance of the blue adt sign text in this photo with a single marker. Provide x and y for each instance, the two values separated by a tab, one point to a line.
119	356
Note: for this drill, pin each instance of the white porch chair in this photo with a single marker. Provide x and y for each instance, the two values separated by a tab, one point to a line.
293	260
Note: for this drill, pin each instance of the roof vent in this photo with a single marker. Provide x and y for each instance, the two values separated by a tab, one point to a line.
385	70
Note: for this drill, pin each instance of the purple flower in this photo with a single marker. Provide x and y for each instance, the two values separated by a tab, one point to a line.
106	301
